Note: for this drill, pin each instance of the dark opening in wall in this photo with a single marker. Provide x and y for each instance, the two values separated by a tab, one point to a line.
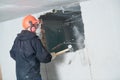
63	27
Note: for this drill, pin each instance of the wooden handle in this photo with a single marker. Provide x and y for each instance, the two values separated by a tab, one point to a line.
62	52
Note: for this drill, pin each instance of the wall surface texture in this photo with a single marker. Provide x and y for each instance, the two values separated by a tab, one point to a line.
102	31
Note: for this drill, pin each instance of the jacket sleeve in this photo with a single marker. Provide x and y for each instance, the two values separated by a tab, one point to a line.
41	53
13	50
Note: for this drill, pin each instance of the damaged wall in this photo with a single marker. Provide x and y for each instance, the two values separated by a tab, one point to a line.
62	27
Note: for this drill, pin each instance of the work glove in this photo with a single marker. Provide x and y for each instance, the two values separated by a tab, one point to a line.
53	54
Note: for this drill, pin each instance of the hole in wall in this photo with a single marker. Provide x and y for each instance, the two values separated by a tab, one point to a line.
63	27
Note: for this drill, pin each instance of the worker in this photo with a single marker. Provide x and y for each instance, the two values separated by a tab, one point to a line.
28	51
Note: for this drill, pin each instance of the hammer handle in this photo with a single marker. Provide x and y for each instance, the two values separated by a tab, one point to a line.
62	52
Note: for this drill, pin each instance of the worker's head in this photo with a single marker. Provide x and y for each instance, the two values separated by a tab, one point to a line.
31	23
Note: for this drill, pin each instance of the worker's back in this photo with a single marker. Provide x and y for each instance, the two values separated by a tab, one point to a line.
28	52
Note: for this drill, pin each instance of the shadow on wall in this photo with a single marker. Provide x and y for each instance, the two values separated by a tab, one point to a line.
53	73
61	27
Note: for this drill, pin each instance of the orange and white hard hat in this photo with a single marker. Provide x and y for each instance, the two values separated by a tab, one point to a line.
28	20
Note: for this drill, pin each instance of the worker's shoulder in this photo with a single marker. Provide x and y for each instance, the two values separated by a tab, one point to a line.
36	38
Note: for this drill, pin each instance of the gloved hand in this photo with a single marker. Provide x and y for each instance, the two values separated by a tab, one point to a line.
53	55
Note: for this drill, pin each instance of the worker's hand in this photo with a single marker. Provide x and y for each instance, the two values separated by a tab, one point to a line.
53	55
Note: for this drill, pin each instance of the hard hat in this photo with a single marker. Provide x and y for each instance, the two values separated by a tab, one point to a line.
28	20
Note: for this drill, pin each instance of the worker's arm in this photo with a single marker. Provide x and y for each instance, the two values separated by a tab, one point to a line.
13	50
41	53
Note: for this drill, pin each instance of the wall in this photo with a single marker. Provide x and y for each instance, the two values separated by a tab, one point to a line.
101	19
8	31
102	29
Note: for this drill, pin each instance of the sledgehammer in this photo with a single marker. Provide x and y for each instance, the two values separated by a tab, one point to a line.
64	51
61	52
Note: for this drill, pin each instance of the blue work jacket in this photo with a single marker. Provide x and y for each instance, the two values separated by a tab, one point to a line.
28	52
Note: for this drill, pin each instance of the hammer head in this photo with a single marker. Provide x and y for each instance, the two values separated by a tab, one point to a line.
70	48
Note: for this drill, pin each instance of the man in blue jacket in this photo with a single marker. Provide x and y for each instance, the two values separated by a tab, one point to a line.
28	51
